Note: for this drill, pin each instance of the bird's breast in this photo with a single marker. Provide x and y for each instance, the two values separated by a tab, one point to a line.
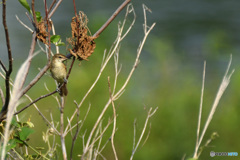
58	71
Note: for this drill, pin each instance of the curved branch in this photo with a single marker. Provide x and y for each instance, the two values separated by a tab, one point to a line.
9	71
120	8
36	100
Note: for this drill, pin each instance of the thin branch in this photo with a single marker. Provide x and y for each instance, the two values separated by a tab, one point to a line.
8	73
3	66
62	135
114	120
36	100
34	13
70	68
149	115
24	25
51	6
145	8
120	8
44	118
75	9
147	135
54	9
2	96
76	134
134	133
130	9
96	137
200	109
48	28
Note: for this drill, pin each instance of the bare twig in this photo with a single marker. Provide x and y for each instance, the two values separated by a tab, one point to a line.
3	66
36	100
24	25
224	84
54	9
34	13
200	108
48	28
147	135
51	6
120	8
30	19
75	9
76	133
114	120
149	115
134	132
62	135
96	137
2	96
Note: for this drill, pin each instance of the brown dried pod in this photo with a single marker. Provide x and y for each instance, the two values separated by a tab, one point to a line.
82	44
42	33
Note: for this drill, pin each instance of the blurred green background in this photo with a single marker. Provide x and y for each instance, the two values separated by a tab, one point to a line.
169	75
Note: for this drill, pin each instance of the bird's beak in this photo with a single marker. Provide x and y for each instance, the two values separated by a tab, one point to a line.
65	58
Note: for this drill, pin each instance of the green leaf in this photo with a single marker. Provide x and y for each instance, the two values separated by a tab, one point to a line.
55	38
18	141
25	4
25	132
61	44
38	16
15	123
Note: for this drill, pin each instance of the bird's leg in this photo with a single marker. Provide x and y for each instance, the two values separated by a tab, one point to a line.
65	80
58	88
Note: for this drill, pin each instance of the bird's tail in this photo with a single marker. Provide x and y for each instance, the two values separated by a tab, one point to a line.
63	90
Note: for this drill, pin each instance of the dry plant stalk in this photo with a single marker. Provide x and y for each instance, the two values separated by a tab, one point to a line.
42	34
82	44
223	86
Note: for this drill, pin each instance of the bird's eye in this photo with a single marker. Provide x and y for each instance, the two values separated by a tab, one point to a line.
59	57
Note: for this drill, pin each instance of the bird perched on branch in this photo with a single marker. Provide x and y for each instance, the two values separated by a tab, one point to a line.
59	72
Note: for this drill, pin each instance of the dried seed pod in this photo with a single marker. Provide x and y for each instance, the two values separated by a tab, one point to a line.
82	44
42	33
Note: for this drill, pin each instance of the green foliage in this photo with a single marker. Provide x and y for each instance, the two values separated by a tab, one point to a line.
38	16
24	133
25	5
56	39
19	135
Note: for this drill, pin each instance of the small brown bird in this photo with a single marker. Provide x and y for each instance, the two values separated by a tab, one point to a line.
59	72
